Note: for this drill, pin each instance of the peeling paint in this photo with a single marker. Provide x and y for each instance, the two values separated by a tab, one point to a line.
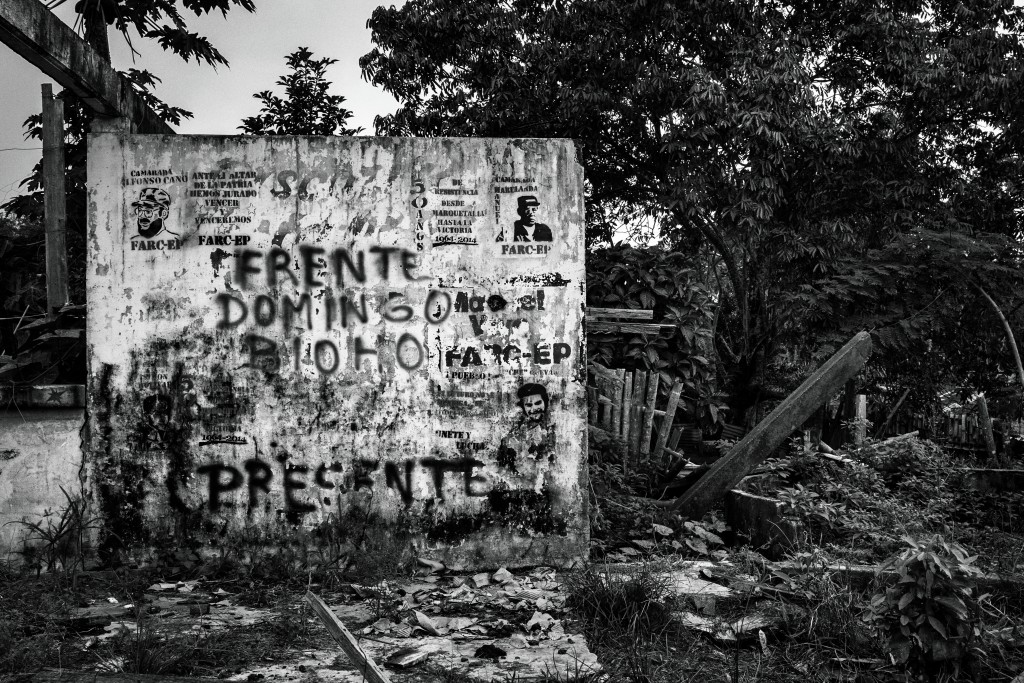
402	350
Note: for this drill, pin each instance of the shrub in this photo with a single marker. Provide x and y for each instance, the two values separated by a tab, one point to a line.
930	619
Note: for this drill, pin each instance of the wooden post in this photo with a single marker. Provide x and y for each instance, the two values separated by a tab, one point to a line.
54	201
364	665
667	420
613	421
985	423
647	431
636	417
627	416
762	441
860	414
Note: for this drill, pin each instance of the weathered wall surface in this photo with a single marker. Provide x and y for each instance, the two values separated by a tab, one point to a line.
40	452
315	334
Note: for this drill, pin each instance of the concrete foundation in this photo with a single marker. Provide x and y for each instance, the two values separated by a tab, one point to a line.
762	520
40	452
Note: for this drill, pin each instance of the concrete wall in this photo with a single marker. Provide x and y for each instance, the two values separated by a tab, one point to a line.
311	335
40	452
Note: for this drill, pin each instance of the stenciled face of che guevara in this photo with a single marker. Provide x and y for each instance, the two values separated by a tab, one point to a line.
534	407
150	219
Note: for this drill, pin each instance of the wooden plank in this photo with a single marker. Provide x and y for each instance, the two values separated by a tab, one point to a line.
607	410
763	439
35	33
636	415
627	413
647	431
985	423
666	421
676	456
627	407
632	328
673	439
616	413
617	313
366	666
54	202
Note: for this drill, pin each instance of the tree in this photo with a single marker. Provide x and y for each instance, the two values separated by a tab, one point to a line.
771	140
930	298
307	108
157	20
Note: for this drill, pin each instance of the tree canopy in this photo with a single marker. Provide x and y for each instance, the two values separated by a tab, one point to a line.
775	140
307	107
158	20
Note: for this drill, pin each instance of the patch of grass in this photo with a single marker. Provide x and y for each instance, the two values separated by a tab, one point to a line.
59	540
627	619
381	555
30	611
293	624
146	650
611	605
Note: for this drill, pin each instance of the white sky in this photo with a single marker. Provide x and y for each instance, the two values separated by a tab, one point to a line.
255	45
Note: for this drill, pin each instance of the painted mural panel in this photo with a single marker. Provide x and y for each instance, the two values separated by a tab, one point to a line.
331	334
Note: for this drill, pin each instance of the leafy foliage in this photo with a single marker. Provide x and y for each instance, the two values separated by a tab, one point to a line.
919	296
307	108
663	282
158	20
774	140
931	617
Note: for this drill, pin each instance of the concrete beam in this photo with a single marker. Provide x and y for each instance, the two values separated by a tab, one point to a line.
28	28
764	438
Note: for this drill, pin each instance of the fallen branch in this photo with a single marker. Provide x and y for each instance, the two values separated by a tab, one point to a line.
892	439
892	413
366	666
1007	330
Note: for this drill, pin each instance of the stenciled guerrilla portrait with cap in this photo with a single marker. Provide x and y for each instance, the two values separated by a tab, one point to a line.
151	211
527	229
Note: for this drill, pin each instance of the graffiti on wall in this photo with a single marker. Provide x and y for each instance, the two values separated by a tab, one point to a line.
375	327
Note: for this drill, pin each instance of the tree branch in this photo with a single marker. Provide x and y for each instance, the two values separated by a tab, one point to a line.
1011	340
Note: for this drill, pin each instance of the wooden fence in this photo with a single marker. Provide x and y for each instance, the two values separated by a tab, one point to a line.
962	430
629	407
625	405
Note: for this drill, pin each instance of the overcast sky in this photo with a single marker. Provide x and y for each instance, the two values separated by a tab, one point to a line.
254	44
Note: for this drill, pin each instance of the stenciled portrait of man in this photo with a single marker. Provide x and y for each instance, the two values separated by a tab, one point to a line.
527	229
151	211
532	435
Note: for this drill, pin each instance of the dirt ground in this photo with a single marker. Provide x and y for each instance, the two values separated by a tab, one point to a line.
662	599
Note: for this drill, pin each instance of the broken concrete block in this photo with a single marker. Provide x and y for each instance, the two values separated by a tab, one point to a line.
85	618
502	576
407	657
